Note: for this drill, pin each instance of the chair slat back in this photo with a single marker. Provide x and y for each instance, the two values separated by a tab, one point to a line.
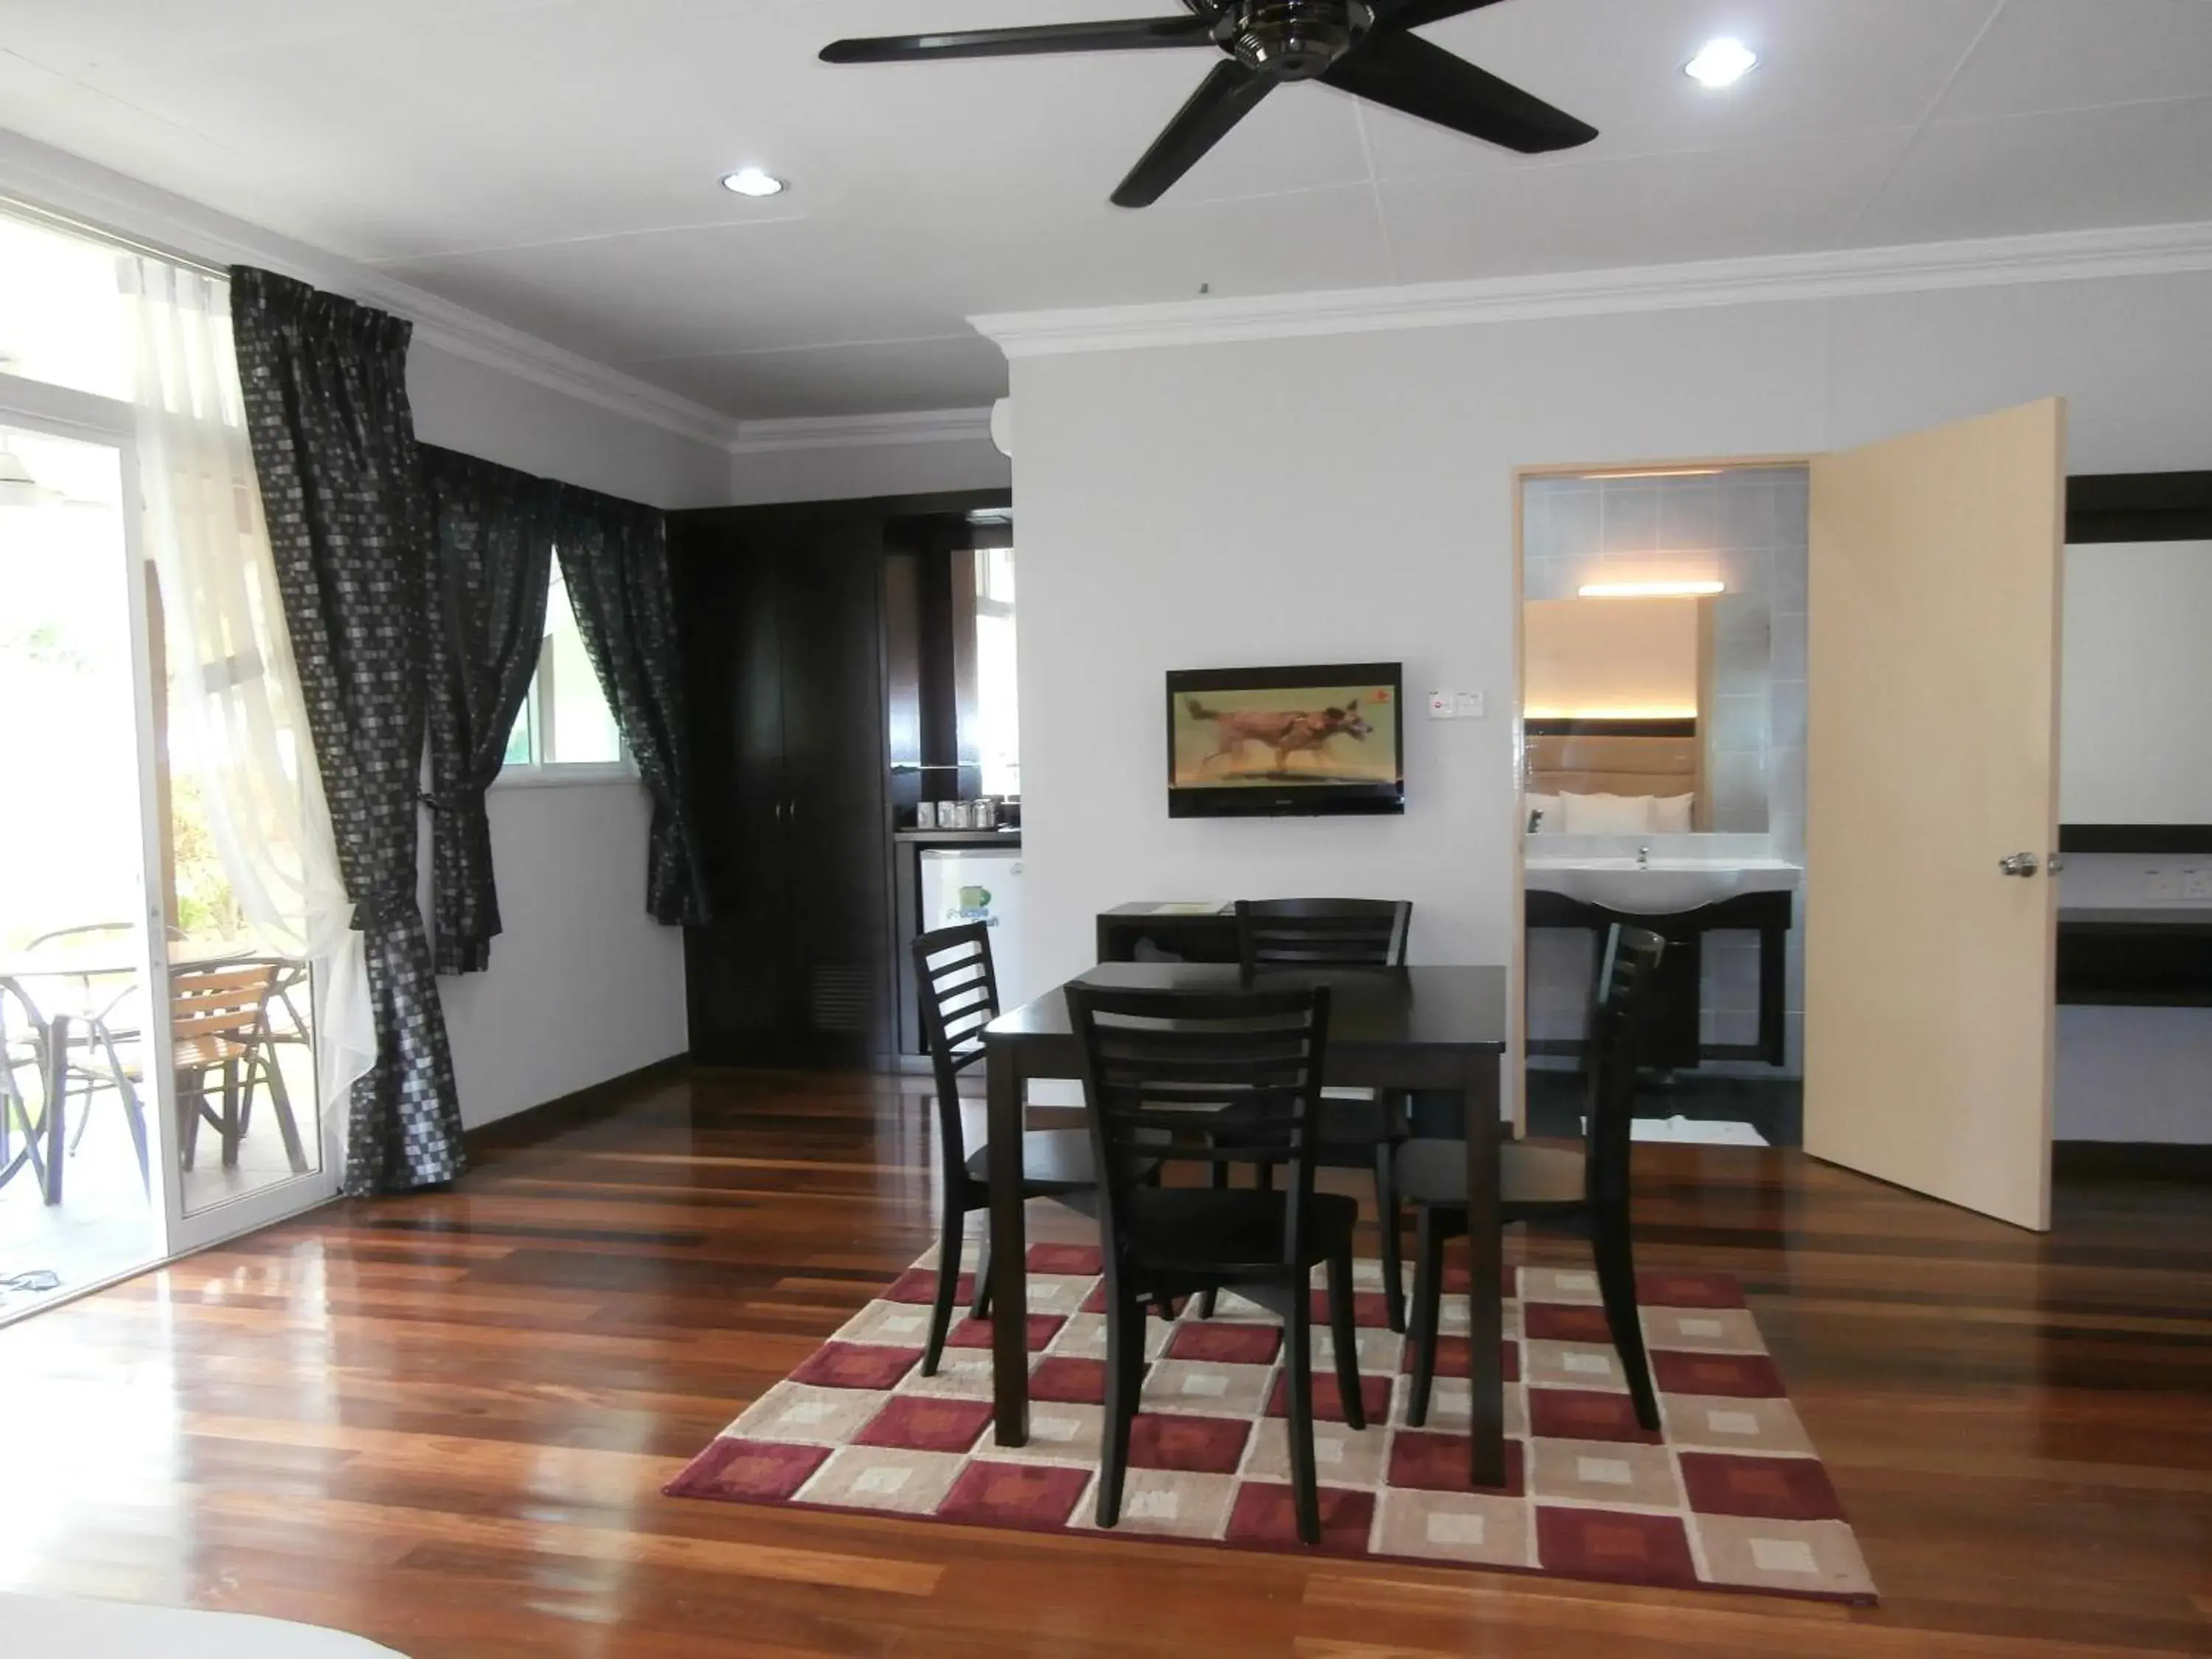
959	988
1628	973
1322	933
1243	1068
219	1004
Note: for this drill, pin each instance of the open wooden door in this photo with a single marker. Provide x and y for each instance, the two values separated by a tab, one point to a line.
1931	810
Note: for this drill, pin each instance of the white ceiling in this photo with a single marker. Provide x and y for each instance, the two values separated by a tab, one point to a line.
553	163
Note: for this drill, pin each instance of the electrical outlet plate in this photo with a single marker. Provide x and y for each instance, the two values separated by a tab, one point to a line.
2160	886
1456	705
1440	705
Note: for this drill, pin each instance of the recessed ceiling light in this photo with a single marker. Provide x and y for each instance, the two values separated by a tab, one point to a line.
754	181
1721	63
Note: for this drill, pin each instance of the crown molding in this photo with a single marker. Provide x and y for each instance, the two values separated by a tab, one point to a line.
933	425
83	190
2137	251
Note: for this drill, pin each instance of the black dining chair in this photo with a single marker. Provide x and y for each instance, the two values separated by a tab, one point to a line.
1244	1068
1360	1128
1584	1186
959	997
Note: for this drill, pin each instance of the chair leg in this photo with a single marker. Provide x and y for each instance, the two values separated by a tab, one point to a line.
280	1098
1616	1284
229	1128
1391	1219
979	1306
1298	1355
134	1114
1428	1306
1124	1382
952	1237
1343	1337
189	1101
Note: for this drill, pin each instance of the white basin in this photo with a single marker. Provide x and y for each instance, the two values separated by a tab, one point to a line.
1664	886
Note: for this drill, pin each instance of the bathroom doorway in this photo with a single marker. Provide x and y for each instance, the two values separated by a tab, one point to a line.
1661	766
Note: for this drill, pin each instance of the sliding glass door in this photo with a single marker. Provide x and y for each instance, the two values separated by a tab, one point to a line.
157	1089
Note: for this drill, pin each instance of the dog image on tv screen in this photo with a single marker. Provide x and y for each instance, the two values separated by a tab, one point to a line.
1287	735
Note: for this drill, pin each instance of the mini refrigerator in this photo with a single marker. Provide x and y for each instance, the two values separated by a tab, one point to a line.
979	883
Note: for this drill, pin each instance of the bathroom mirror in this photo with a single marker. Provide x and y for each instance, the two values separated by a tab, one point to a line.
1662	676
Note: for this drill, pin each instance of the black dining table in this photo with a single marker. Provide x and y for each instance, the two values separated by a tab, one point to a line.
1433	1029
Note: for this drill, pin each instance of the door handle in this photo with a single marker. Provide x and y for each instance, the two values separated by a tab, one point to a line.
2019	864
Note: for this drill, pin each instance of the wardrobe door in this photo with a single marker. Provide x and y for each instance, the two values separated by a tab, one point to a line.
836	770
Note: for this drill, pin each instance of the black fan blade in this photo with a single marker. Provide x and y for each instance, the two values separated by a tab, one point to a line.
1417	14
1407	73
1132	34
1223	99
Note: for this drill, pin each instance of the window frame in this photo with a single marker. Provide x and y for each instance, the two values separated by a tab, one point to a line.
538	772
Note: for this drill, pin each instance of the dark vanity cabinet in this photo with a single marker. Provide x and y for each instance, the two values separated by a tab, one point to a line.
799	669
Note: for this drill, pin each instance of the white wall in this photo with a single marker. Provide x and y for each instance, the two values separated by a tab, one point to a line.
845	472
1348	497
2136	703
481	410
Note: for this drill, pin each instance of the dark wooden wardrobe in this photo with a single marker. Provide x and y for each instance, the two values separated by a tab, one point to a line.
803	659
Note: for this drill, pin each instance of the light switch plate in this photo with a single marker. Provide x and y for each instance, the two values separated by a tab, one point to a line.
2196	884
2161	885
1467	705
1456	705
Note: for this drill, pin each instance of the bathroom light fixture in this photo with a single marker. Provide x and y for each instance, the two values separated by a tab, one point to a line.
1649	590
1658	472
754	181
1621	714
1720	62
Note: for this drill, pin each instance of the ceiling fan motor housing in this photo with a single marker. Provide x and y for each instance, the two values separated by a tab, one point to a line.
1296	40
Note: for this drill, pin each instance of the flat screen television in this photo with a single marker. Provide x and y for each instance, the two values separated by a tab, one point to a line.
1286	741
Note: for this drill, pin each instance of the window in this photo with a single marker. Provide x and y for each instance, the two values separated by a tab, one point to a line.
565	721
998	730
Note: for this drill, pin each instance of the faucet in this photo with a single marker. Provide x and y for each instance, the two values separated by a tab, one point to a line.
1644	858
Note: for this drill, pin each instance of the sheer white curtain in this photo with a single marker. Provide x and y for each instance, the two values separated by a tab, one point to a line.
234	693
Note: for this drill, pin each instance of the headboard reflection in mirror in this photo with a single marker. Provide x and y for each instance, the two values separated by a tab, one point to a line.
1655	699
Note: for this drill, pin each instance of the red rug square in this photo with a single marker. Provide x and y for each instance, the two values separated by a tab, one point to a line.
968	1332
923	1422
1066	1380
1076	1261
1556	1322
1575	1414
1034	1499
1194	1445
1422	1462
1455	1354
755	1471
1661	1289
1769	1488
1267	1517
1636	1549
1743	1376
1370	1310
918	1284
1227	1344
856	1366
1327	1404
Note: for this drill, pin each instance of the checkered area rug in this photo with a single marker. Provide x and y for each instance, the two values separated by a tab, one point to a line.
1730	1496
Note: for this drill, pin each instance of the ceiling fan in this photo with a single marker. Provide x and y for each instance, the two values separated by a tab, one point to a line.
1364	47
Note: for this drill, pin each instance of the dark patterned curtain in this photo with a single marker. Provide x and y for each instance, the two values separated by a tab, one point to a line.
489	558
614	559
325	385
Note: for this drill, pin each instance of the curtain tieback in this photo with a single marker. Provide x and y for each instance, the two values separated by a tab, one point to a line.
466	799
384	909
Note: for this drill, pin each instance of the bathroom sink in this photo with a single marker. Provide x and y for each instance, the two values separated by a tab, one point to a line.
1664	886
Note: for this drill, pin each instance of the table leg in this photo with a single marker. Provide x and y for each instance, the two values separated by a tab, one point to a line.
1485	1314
1009	1354
56	1097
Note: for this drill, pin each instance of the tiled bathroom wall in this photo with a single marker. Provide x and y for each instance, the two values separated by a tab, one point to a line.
1745	527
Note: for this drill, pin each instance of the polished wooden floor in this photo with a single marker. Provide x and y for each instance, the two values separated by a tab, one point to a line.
443	1421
